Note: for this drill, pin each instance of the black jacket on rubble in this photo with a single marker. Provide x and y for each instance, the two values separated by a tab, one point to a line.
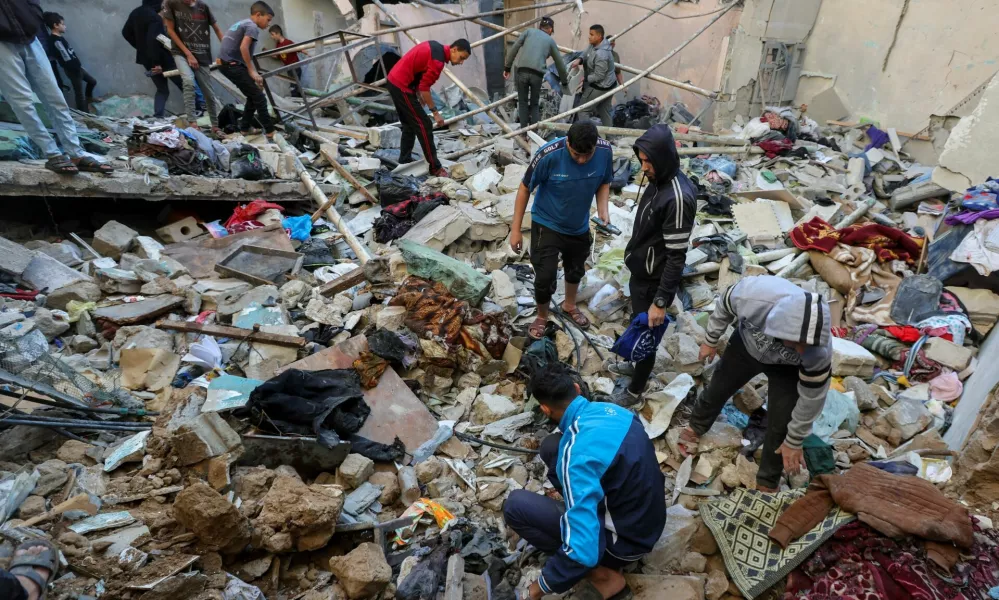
664	217
20	21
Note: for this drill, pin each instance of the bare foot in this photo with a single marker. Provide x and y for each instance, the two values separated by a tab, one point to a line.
32	588
607	581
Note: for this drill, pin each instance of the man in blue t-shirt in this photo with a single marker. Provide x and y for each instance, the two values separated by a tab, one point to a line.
567	173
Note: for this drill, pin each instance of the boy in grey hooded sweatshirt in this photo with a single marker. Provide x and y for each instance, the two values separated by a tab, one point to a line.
782	331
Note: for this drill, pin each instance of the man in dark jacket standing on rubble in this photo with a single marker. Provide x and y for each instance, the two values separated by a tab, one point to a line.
409	84
657	251
531	50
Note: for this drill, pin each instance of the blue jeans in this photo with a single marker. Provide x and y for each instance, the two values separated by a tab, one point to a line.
25	68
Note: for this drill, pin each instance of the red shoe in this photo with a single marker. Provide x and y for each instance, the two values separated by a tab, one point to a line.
440	172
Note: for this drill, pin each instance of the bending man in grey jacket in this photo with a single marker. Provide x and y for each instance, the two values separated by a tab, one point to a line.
598	65
782	331
531	50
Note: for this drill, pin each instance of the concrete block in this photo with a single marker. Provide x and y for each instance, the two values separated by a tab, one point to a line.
440	228
948	353
354	470
364	165
205	436
504	292
484	180
483	227
386	136
47	273
81	291
280	164
114	239
512	176
179	231
330	150
14	258
851	359
147	247
461	279
504	209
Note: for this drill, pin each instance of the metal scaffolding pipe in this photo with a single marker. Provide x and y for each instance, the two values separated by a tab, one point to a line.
680	137
598	99
657	78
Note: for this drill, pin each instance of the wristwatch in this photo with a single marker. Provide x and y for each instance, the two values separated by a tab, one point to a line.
660	302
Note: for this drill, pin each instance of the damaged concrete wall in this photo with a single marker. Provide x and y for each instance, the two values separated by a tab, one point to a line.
968	158
786	21
306	19
851	47
699	63
94	30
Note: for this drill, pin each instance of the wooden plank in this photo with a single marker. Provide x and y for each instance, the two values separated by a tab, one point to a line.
395	409
238	333
136	312
343	282
347	175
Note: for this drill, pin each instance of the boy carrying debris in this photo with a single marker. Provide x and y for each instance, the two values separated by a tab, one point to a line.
237	65
70	62
189	24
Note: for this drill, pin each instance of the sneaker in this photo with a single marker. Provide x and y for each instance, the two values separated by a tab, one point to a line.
621	368
625	398
440	172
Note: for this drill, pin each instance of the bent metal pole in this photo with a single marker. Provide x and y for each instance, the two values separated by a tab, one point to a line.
598	99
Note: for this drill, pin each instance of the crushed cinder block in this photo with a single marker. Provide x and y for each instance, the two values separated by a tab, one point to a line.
114	239
205	436
180	231
483	227
385	136
354	470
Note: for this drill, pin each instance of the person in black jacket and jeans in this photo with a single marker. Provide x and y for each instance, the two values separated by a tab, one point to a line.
657	251
64	54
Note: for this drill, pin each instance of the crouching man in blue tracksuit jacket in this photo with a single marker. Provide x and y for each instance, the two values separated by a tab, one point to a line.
605	467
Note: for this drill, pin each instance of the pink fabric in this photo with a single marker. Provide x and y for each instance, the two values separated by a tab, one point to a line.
946	387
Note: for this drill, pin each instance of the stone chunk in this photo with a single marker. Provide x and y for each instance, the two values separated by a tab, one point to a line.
908	417
851	359
483	180
354	470
866	400
205	436
114	239
363	572
504	293
386	136
32	505
212	518
47	273
492	407
75	451
52	323
483	227
52	476
948	353
513	174
389	483
298	516
14	258
391	318
147	247
462	280
440	228
693	563
721	435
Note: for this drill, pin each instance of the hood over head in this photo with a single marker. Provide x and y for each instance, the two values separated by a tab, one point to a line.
801	318
658	144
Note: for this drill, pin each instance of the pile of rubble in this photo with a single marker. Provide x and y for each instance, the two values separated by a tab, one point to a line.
251	413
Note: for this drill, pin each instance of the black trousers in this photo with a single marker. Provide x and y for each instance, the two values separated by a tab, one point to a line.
11	588
528	85
735	370
546	246
296	90
83	87
256	101
416	125
643	292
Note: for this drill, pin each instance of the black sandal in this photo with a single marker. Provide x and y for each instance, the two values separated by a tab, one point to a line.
89	165
61	165
24	565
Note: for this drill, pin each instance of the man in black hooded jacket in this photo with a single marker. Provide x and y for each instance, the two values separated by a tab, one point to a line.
657	251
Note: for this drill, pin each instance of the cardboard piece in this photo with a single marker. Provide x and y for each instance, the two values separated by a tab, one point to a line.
757	220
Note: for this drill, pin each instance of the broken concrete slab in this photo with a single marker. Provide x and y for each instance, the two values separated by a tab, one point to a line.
205	436
513	175
851	359
47	273
296	516
137	312
201	255
948	353
483	180
440	228
114	239
482	227
14	258
461	279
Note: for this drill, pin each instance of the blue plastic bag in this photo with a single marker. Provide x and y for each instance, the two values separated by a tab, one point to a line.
299	228
639	341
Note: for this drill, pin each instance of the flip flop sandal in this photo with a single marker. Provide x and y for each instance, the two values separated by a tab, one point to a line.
536	331
61	165
577	317
89	165
24	565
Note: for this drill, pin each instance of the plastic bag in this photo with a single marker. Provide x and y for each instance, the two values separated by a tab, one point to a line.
75	308
149	167
245	163
246	212
299	228
639	341
396	188
419	508
839	412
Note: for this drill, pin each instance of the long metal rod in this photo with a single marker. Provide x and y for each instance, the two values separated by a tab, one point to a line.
137	412
658	78
720	140
405	28
600	98
523	25
652	11
464	88
60	426
67	421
